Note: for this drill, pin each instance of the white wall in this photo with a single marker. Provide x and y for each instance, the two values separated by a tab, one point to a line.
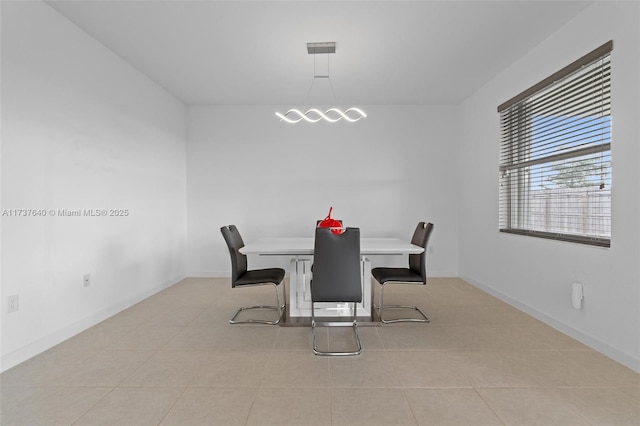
383	174
537	274
81	129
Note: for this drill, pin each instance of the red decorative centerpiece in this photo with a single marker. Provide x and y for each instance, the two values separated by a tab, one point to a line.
329	222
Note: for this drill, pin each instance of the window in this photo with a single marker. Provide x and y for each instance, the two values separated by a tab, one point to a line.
555	155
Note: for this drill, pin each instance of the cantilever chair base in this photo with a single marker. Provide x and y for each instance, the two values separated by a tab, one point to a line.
279	307
380	308
424	318
354	324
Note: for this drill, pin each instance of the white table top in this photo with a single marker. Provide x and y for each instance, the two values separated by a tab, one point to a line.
303	246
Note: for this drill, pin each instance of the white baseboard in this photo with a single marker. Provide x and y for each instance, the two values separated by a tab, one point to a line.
18	356
441	274
591	341
209	274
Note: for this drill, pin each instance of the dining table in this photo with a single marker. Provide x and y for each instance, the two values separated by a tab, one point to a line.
299	251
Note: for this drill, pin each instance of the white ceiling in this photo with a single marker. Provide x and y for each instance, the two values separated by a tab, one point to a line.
394	52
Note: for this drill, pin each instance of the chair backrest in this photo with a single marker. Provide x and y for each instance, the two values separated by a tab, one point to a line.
234	243
336	266
418	262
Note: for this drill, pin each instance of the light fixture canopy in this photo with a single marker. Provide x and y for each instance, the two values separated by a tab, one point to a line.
313	115
321	47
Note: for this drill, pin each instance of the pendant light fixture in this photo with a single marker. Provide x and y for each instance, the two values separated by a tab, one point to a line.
313	115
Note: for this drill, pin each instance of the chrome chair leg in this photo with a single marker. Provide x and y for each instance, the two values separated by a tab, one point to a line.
279	307
382	307
353	324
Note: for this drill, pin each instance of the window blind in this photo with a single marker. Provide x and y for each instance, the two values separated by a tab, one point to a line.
555	155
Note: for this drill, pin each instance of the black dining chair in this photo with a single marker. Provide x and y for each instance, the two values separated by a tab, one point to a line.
336	279
242	277
416	273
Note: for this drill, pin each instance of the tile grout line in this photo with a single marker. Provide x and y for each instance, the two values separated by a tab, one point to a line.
94	405
184	390
475	389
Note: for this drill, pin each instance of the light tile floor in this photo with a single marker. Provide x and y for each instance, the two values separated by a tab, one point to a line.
174	360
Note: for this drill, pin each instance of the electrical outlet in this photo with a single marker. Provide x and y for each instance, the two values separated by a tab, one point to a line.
430	249
86	280
13	303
